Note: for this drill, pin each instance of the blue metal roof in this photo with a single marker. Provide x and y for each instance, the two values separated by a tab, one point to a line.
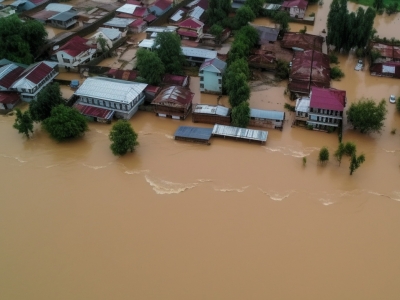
267	114
198	133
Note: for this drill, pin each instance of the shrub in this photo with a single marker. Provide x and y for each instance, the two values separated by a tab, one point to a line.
323	156
393	131
289	107
336	73
282	69
398	104
333	59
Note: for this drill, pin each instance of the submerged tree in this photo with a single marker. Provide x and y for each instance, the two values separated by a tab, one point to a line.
241	115
150	66
65	123
243	16
168	48
238	89
123	138
282	18
23	123
348	149
49	97
323	156
355	162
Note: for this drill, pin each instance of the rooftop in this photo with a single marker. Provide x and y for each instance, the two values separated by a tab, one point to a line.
218	64
198	52
8	74
58	7
174	96
332	99
127	8
302	4
242	133
75	46
267	114
34	74
266	34
211	110
302	41
162	4
119	22
191	23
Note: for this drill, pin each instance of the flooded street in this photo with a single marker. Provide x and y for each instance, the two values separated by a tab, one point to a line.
177	221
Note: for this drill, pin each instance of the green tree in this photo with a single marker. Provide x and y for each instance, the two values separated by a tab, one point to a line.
123	138
243	16
23	122
336	73
348	149
103	44
374	55
282	69
391	8
378	4
168	48
355	162
217	31
241	115
238	89
398	104
21	41
336	24
323	156
65	123
249	35
238	66
366	116
239	49
150	66
282	18
255	5
48	97
218	11
339	153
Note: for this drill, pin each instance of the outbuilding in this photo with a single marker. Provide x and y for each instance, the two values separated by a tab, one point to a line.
211	114
266	118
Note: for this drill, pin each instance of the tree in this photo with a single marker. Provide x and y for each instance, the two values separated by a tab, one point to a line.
102	42
238	66
339	153
336	23
255	5
150	66
168	48
239	49
391	8
238	89
48	97
323	155
218	11
336	73
21	41
243	16
249	35
123	138
282	18
282	69
366	116
378	4
241	115
23	123
355	162
348	149
398	104
217	31
65	123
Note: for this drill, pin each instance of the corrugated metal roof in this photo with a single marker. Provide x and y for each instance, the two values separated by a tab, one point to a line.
267	114
198	52
211	110
332	99
58	7
215	62
127	8
64	16
162	4
146	43
9	98
111	33
161	29
110	89
92	111
242	133
176	80
119	22
150	17
302	4
191	23
75	46
175	96
8	74
197	133
303	104
177	16
34	74
197	12
44	15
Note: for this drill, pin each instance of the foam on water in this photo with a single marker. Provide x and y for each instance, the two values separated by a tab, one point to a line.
95	167
293	151
326	202
14	157
134	172
238	190
163	187
204	180
273	195
168	136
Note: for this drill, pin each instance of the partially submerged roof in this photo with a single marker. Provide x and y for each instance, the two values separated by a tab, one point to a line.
389	51
146	43
302	4
218	64
122	74
332	99
161	29
34	74
174	96
110	89
267	114
303	104
196	133
242	133
390	68
303	41
92	111
211	110
198	52
8	74
64	16
119	22
58	7
75	46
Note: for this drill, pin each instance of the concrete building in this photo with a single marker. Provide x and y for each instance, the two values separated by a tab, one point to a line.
210	73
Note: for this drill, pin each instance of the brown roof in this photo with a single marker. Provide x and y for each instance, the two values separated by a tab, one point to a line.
44	15
304	41
279	52
387	50
174	96
9	98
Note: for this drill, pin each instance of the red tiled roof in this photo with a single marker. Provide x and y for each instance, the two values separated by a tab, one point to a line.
189	33
122	74
75	46
92	111
191	23
150	18
137	23
9	78
176	80
162	4
332	99
9	98
174	95
39	72
302	4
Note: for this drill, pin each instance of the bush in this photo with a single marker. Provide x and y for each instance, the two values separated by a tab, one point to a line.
304	161
393	131
398	104
323	156
282	69
333	59
310	127
336	73
123	138
289	107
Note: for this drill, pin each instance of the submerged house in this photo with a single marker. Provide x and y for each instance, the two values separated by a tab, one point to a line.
211	114
386	69
9	73
174	102
57	15
197	55
177	80
262	60
302	41
266	34
266	118
122	97
191	29
210	72
295	8
122	24
325	110
160	7
388	62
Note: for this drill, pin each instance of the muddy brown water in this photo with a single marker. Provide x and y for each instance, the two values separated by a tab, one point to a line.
175	220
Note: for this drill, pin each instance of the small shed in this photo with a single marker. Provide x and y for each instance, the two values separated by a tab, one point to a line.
240	133
211	114
174	102
193	134
266	118
150	92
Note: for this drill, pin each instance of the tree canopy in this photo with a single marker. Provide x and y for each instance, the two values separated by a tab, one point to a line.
243	16
367	116
65	123
238	88
249	35
168	48
282	18
23	122
255	5
150	66
218	11
323	156
123	138
238	66
21	41
241	115
48	97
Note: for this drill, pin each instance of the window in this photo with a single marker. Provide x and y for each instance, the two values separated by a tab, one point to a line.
201	78
202	85
101	102
65	60
220	81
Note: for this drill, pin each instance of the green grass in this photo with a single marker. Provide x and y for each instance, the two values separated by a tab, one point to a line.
370	2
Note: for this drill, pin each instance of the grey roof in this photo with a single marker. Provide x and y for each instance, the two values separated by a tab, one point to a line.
211	110
111	33
194	132
119	22
242	133
267	114
196	12
303	104
161	29
216	62
198	52
127	8
64	16
110	89
58	7
5	61
266	34
177	16
146	43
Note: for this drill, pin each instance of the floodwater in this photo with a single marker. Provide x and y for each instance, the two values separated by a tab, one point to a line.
175	220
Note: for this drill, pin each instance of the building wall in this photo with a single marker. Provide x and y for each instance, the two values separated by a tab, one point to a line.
212	82
266	123
158	12
29	95
295	11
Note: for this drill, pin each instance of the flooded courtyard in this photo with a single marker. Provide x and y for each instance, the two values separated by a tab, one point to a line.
233	220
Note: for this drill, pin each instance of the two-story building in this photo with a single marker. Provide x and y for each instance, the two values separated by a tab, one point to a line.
75	52
210	72
8	74
160	7
296	8
34	78
122	97
196	56
191	29
325	111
